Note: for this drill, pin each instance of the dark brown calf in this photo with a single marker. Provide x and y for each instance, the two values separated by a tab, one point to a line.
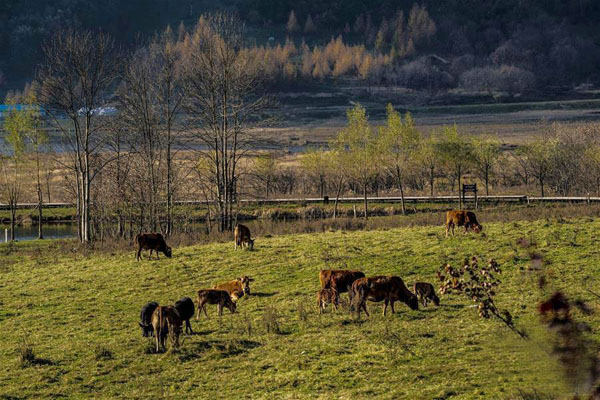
381	288
153	242
462	218
327	296
214	296
241	237
425	291
165	320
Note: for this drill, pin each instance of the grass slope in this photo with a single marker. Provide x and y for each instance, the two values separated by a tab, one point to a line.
79	313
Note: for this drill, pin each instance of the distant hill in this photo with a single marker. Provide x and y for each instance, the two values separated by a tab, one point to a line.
557	40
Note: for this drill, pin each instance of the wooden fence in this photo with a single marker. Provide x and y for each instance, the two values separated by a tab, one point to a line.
524	199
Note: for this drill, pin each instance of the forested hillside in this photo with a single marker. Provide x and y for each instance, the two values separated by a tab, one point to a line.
510	45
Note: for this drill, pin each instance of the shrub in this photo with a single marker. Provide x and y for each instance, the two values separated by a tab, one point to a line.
504	78
422	74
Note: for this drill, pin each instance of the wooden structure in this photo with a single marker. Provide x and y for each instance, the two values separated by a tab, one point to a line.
469	188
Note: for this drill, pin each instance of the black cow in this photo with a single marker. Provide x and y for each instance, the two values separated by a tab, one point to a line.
152	241
185	308
146	319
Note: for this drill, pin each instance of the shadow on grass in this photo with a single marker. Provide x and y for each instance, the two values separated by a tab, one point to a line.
261	294
222	348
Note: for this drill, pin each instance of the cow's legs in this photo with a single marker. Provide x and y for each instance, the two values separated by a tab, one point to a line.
220	309
157	337
385	306
392	305
139	254
447	229
150	256
201	306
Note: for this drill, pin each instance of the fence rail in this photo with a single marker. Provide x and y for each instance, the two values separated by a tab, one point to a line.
394	199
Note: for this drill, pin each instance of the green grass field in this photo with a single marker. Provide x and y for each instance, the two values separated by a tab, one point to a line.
78	311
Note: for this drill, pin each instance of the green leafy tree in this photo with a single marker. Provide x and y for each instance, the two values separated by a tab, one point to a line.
17	123
430	158
400	141
486	154
316	163
359	150
264	169
457	153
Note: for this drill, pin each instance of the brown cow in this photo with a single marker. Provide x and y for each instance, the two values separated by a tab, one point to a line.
340	279
425	291
241	237
236	288
214	296
382	288
165	320
462	218
327	296
152	241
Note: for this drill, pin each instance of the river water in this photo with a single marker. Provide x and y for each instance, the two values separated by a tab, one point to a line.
51	231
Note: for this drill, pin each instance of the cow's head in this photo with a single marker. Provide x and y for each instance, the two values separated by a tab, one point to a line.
168	252
413	302
250	244
147	330
477	228
245	281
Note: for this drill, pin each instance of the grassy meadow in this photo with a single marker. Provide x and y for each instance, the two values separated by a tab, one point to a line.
77	311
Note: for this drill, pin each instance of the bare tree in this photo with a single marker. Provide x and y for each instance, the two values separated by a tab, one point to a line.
223	99
74	82
139	112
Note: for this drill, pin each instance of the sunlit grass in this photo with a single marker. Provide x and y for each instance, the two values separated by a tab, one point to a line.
77	311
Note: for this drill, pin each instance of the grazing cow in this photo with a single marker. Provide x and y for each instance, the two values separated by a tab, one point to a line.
425	291
340	280
165	320
382	288
146	319
185	308
214	296
237	288
241	237
327	296
462	218
152	241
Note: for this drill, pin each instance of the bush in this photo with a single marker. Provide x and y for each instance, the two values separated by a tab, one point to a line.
423	74
503	79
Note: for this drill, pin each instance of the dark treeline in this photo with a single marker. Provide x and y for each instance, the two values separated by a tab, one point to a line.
508	46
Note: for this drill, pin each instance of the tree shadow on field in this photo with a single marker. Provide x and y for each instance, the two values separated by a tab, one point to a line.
202	333
262	294
221	348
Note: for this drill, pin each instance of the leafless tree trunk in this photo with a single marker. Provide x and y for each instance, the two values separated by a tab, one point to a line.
74	81
223	95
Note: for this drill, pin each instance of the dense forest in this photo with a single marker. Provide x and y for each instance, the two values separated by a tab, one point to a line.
508	45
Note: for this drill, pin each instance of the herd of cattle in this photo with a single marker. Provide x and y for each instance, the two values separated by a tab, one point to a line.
160	321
